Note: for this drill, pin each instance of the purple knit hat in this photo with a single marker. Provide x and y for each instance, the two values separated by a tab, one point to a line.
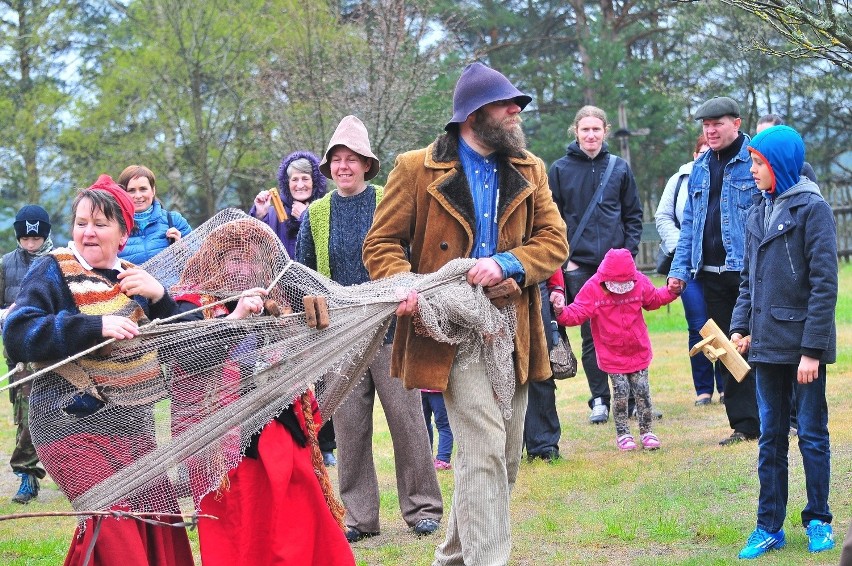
479	85
284	179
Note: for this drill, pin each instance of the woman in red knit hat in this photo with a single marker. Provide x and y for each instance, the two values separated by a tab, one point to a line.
70	300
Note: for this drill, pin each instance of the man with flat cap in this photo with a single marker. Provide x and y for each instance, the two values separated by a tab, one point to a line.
711	244
474	192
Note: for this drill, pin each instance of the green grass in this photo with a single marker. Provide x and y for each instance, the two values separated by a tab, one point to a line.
691	503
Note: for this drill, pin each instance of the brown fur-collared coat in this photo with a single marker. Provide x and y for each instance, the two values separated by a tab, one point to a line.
428	209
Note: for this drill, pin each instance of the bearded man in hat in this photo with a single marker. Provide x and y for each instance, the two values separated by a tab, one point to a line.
711	245
330	240
32	229
474	192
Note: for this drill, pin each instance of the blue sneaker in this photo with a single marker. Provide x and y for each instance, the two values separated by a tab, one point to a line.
29	489
760	542
328	459
820	536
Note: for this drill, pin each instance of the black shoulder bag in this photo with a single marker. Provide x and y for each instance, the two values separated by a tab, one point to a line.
592	203
171	225
664	260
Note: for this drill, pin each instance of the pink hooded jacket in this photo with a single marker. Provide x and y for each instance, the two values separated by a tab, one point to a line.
618	327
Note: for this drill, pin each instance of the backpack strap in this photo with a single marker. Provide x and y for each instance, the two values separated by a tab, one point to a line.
588	214
677	191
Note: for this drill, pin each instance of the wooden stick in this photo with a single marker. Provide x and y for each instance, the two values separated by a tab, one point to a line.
114	513
279	206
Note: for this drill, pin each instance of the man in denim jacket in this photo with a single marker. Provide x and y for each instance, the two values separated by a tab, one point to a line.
721	191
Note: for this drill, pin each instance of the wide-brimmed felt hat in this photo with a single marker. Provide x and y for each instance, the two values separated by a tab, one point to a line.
479	85
352	133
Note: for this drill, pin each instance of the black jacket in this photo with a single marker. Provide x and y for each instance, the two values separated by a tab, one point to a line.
617	219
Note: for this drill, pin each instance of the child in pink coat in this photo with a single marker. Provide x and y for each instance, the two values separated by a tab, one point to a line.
613	300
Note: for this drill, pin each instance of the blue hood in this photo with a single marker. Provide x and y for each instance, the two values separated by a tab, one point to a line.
784	151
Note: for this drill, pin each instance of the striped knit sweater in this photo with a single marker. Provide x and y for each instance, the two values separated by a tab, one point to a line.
47	324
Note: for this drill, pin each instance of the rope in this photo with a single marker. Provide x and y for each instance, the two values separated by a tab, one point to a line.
336	507
118	514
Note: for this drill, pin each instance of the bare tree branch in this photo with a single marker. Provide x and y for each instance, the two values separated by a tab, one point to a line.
820	29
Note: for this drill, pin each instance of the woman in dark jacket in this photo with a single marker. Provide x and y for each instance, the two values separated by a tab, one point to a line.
300	182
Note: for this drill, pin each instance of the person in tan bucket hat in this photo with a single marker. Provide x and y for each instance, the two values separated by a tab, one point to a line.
330	241
351	133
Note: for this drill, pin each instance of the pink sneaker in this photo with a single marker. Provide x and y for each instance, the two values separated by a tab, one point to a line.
625	442
650	441
441	465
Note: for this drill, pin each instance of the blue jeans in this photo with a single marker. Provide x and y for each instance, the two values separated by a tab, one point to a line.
703	372
775	386
433	404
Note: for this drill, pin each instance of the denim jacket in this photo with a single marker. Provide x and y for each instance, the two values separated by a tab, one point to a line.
738	190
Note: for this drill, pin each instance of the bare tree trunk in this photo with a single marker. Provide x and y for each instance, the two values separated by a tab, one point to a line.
583	35
30	142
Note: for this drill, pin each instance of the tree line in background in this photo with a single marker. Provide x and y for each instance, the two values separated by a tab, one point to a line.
211	94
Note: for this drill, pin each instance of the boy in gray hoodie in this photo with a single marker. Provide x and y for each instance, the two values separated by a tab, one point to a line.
784	321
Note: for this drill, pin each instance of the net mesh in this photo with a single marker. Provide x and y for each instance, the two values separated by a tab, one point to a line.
181	401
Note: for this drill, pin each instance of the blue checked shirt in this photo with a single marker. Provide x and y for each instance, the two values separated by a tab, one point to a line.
481	173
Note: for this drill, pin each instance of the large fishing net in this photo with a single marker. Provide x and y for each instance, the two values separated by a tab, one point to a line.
181	402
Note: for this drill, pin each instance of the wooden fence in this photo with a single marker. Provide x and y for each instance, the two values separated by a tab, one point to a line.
838	196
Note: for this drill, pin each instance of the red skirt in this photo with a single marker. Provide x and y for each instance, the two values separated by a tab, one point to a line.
273	512
79	461
129	542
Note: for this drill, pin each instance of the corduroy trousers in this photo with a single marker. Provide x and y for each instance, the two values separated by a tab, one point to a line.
488	454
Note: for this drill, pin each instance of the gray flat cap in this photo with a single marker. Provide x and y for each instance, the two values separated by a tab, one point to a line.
717	107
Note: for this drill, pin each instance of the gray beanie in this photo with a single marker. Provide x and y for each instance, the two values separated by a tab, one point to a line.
479	85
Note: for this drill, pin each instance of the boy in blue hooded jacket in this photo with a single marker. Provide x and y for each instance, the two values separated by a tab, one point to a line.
784	321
